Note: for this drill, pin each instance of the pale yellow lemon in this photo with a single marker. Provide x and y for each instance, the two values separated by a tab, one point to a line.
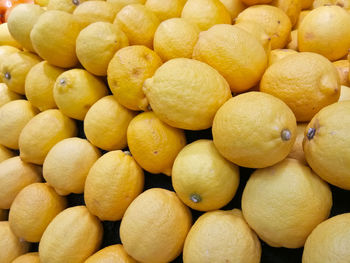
166	9
293	43
5	51
344	93
318	3
342	67
186	93
301	17
33	209
10	245
42	132
275	22
6	38
202	178
285	202
76	90
326	144
14	115
113	253
95	11
72	236
14	176
156	147
97	44
305	81
254	130
278	54
292	8
15	69
5	153
7	95
21	21
206	13
32	257
39	85
228	49
64	5
234	7
218	236
42	3
167	221
297	151
138	23
325	30
68	163
119	4
126	73
175	38
114	181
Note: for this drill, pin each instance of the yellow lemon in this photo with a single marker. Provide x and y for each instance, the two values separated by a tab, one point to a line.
33	209
97	44
67	165
186	93
254	130
342	67
167	221
275	22
39	85
32	257
5	153
15	69
306	82
166	9
64	5
228	49
43	3
114	181
5	51
329	241
156	147
11	246
202	178
234	7
175	38
6	38
344	93
297	151
42	132
76	90
278	54
301	17
7	95
21	21
285	202
72	236
306	4
325	30
138	23
326	144
219	236
206	13
318	3
106	122
292	8
113	253
14	115
55	42
95	11
119	4
293	43
14	176
126	73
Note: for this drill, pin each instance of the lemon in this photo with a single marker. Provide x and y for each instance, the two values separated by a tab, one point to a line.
97	44
64	5
306	4
156	147
344	93
113	253
11	246
219	236
206	13
7	95
278	54
166	9
292	8
95	11
342	67
119	4
43	3
138	23
42	132
72	236
14	115
21	21
293	43
329	241
76	90
297	151
5	153
254	130
5	51
228	49
167	221
301	17
6	38
306	82
67	165
318	3
175	38
14	176
325	30
186	93
275	22
33	209
285	202
39	85
114	181
234	7
202	178
15	69
55	42
127	71
326	144
32	257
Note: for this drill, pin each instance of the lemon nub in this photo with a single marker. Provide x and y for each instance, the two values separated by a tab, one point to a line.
311	133
8	75
196	198
286	135
76	2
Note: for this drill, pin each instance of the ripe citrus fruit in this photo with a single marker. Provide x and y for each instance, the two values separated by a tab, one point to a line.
119	4
6	38
32	257
293	43
113	253
292	8
5	153
234	7
344	93
297	151
278	54
166	9
5	51
95	11
7	95
342	67
64	5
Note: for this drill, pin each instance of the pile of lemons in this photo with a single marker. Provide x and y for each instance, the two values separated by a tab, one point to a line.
94	93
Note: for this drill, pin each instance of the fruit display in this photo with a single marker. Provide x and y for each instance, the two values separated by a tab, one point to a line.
180	131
